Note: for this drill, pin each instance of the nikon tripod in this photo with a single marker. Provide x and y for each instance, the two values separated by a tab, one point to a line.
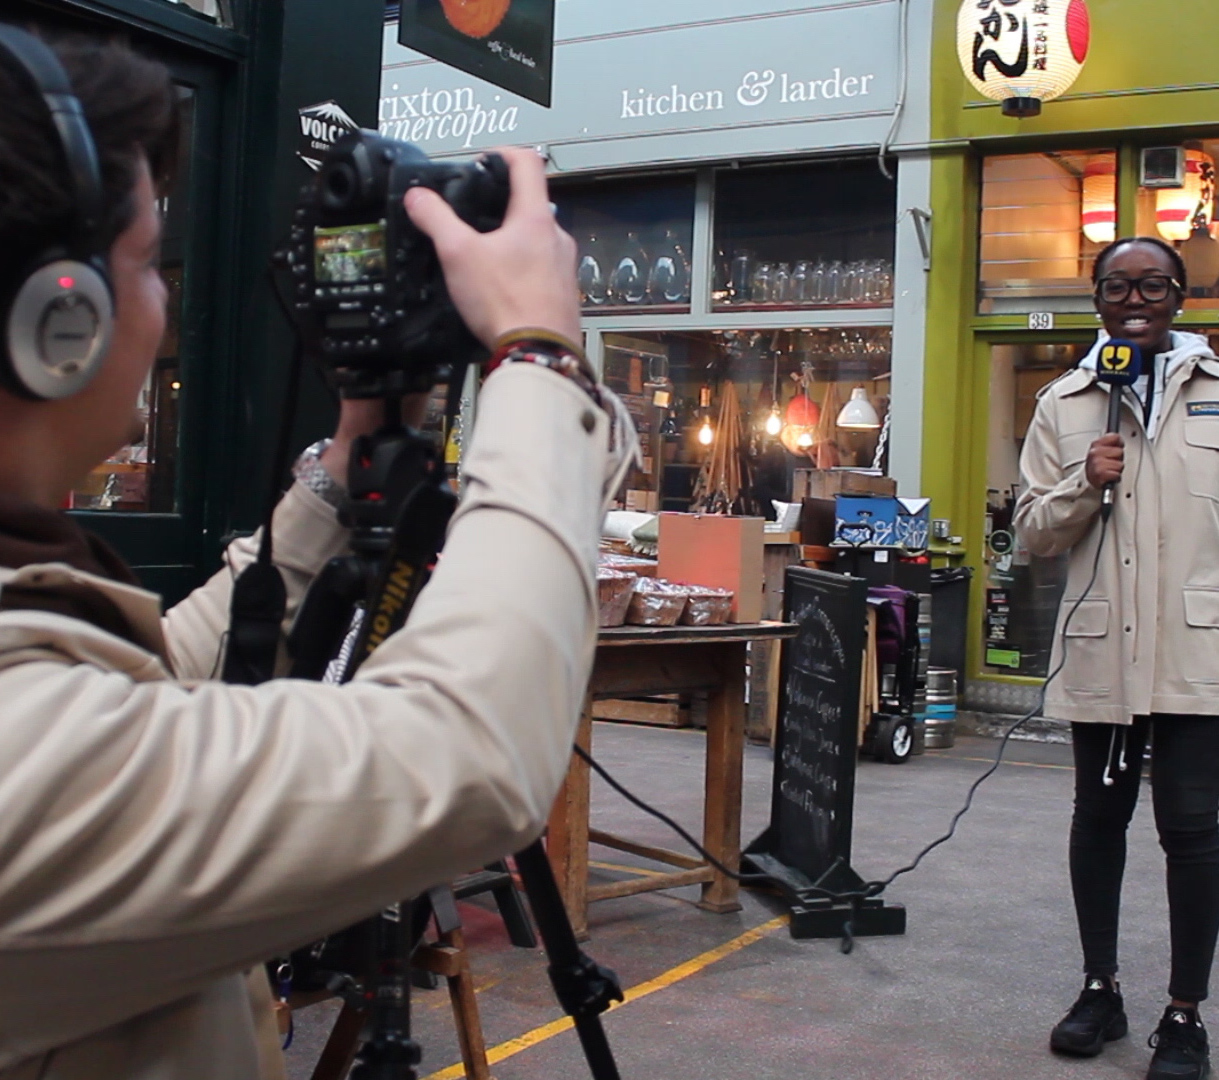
398	509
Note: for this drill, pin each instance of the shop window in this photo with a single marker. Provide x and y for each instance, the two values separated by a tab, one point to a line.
1176	202
634	239
1022	589
803	237
218	11
1044	217
726	417
142	477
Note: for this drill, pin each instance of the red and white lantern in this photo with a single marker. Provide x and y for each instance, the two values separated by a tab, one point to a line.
1099	217
1022	52
1179	211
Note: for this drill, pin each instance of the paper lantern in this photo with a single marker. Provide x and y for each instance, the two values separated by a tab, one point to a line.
1192	206
802	411
1099	217
1022	52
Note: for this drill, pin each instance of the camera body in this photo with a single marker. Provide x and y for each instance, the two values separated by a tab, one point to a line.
368	295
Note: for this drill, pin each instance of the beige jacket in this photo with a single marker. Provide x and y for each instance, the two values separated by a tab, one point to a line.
159	837
1146	638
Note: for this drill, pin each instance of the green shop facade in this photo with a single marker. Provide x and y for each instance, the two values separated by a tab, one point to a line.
244	69
1019	209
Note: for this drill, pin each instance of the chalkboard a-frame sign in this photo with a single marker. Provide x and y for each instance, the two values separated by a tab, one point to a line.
807	845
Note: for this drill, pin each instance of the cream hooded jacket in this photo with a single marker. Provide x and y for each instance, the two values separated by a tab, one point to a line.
161	834
1146	637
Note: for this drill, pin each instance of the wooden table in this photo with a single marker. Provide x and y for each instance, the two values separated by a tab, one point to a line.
664	660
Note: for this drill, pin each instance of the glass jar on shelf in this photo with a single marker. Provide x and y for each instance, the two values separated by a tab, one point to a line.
629	281
760	286
590	273
740	283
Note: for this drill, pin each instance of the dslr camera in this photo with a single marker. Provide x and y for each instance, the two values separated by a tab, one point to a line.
368	296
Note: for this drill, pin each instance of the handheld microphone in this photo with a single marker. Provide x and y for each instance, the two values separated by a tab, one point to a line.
1119	364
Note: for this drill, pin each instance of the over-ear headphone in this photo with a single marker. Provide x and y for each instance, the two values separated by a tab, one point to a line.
58	317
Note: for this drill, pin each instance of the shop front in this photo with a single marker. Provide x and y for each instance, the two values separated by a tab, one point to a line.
1020	209
747	188
243	71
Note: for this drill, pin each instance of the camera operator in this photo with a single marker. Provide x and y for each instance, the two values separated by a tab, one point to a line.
160	834
1142	650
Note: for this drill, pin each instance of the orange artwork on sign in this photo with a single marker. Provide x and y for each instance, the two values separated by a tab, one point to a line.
475	18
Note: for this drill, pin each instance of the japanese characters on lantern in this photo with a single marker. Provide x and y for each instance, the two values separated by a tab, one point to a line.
1022	52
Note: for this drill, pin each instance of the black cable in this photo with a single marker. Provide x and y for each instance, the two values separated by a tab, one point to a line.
875	888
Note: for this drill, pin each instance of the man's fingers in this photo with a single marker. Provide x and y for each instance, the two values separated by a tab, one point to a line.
435	218
527	176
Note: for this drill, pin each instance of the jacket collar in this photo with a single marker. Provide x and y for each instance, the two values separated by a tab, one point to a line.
1189	352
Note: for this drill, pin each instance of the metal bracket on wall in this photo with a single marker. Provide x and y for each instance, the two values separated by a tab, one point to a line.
922	226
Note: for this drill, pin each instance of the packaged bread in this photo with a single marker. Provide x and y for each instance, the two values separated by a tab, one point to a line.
614	589
655	602
706	606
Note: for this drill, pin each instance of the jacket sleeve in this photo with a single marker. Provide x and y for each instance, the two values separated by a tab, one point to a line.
306	535
1057	505
154	836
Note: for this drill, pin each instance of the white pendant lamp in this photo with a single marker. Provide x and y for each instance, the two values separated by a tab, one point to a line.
858	413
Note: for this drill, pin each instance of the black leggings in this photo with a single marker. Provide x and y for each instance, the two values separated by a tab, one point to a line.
1185	794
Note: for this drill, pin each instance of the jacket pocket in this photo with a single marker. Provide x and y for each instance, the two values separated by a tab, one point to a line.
1202	456
1073	449
1091	619
1201	607
1198	653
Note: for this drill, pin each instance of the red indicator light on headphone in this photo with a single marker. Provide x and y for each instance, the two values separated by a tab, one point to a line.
67	282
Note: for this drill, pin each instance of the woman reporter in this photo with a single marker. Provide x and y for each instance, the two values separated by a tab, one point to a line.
1140	654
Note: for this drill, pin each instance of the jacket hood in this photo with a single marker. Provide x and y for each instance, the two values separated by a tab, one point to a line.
1185	346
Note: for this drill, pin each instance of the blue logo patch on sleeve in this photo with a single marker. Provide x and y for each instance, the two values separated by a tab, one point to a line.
1203	408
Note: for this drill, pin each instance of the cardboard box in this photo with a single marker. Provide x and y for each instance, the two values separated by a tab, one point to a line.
894	522
827	483
716	550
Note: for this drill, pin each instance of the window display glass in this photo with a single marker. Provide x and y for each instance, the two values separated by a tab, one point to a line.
1176	202
726	416
142	477
634	239
804	236
1044	217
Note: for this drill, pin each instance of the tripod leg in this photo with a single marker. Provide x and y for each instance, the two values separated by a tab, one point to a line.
584	988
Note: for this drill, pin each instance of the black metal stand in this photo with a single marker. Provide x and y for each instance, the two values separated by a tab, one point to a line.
398	509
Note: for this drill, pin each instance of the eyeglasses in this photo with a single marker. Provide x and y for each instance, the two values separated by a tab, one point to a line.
1153	288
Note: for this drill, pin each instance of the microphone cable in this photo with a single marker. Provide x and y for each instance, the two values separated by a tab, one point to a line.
876	888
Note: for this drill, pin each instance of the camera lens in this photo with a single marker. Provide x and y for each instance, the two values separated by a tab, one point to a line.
339	186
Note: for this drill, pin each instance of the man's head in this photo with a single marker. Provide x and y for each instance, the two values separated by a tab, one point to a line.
130	105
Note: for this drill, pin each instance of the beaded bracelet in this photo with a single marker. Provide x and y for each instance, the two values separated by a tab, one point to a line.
548	350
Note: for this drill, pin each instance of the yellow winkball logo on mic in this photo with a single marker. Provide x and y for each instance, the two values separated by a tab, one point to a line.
1116	358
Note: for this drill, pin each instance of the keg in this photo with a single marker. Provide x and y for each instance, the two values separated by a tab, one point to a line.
941	708
924	633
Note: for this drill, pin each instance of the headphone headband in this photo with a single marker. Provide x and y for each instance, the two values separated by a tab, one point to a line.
42	68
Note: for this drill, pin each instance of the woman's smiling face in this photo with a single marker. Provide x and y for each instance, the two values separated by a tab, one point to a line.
1146	323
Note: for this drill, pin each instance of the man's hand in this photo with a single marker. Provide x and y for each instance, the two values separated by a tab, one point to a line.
522	274
1106	458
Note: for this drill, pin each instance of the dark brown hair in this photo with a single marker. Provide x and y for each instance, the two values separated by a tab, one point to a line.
131	108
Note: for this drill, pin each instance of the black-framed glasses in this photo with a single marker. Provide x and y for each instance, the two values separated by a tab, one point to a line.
1153	288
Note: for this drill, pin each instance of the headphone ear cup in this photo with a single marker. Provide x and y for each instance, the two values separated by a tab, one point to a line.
58	329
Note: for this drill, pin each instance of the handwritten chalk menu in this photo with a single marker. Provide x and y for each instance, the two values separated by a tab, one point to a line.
816	746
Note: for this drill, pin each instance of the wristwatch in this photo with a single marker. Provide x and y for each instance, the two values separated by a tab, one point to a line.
309	470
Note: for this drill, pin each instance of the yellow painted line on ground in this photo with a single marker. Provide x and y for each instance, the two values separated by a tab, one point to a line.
512	1047
1017	764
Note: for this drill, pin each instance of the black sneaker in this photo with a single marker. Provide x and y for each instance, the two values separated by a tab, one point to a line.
1180	1047
1096	1018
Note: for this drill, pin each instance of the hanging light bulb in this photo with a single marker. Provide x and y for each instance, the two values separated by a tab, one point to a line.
774	422
804	440
705	433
